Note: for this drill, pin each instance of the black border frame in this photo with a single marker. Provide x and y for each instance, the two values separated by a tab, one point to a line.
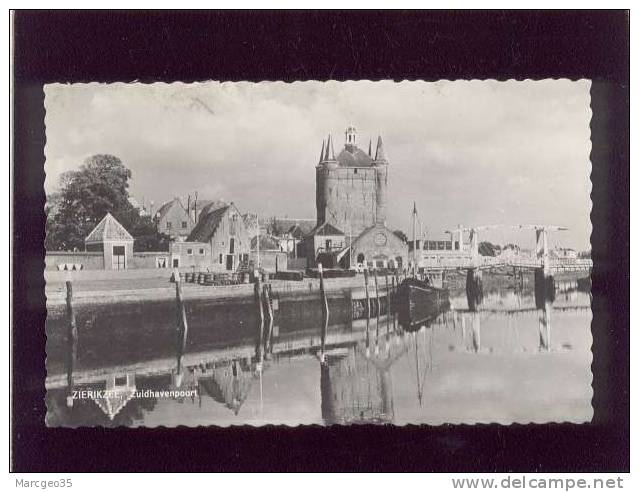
148	46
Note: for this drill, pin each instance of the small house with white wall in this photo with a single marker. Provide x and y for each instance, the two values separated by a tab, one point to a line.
114	242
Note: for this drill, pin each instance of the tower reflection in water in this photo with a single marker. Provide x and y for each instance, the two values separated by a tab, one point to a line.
356	383
383	373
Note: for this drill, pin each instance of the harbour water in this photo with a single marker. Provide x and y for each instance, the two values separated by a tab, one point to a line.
507	359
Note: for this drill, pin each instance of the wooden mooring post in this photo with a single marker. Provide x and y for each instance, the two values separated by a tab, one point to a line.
182	325
387	293
259	335
325	312
377	302
266	293
388	303
72	343
368	299
376	292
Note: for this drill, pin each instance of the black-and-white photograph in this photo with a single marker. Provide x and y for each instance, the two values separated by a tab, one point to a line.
326	253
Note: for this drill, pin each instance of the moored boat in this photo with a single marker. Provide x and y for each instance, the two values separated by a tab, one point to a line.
417	300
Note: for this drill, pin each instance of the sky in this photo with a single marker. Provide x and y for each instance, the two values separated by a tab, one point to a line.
467	152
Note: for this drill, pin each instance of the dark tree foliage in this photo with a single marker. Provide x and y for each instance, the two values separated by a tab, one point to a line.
487	248
147	238
85	196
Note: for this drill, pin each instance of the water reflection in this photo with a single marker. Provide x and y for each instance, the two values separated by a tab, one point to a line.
500	358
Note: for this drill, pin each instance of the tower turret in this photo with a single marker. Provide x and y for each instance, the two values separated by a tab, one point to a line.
325	179
330	153
381	174
351	185
350	138
379	153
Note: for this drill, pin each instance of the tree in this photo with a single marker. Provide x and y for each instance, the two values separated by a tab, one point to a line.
487	248
85	196
147	237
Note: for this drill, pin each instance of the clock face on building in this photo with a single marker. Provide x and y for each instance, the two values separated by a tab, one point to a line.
380	239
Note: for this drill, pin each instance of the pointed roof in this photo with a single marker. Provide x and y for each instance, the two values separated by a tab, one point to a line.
212	205
282	226
164	209
207	225
370	148
322	152
116	400
201	203
228	387
108	229
326	229
379	153
376	228
301	229
330	153
354	158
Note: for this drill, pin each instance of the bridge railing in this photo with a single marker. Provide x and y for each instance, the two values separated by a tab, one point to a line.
443	262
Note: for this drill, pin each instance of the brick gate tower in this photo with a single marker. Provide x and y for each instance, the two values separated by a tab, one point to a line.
351	187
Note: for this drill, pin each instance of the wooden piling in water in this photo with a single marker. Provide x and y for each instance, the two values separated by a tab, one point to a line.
388	295
377	306
72	343
325	311
266	292
394	289
376	292
182	325
368	299
259	339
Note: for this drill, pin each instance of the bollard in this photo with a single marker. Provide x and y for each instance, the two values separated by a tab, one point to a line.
72	343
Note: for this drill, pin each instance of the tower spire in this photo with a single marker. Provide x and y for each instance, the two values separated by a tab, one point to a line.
330	153
370	147
322	152
379	153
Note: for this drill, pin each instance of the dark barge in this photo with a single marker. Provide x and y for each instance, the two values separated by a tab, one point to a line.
416	300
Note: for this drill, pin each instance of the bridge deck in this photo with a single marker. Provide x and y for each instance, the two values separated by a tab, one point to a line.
488	262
